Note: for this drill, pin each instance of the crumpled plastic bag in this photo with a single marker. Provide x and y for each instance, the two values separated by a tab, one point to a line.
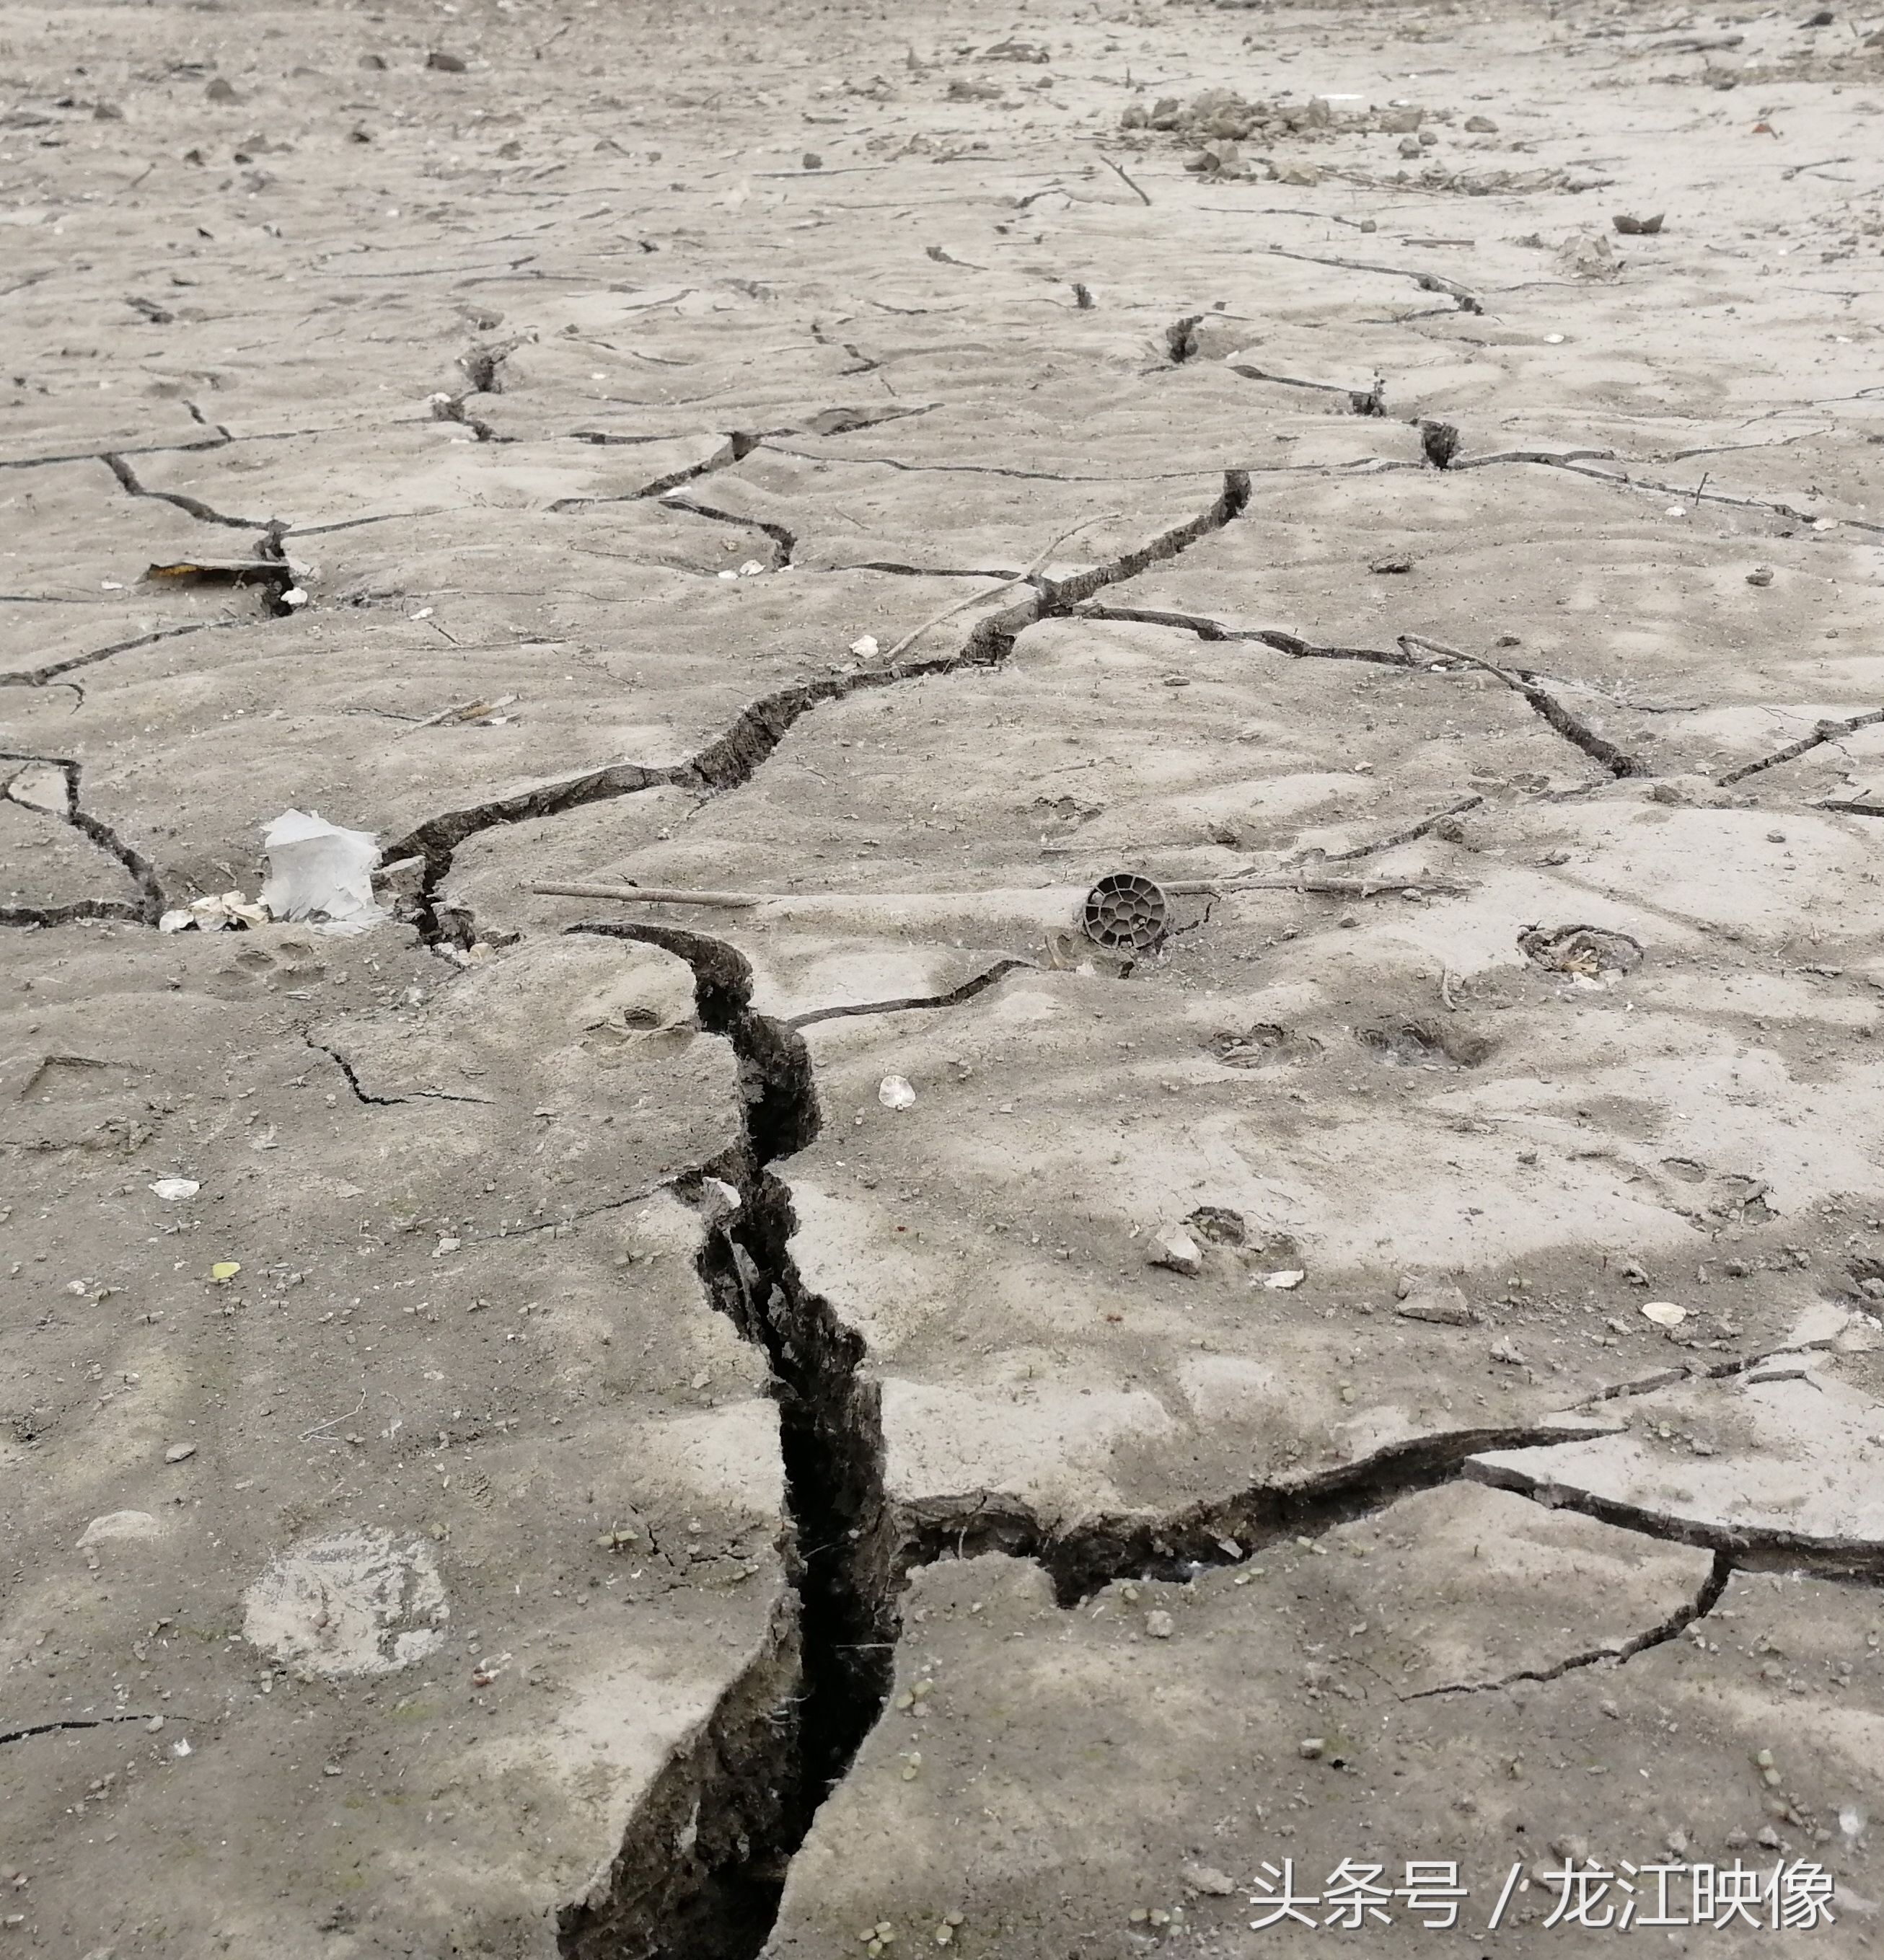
320	873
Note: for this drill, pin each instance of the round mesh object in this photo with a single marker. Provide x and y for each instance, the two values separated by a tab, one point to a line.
1124	910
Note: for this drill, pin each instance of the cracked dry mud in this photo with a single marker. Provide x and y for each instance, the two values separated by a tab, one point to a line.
582	1473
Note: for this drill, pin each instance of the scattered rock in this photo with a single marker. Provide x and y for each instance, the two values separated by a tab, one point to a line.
1480	126
1312	1748
1208	1879
1588	255
1177	1250
117	1525
448	64
1443	1306
1760	574
1587	951
1159	1625
1637	227
1218	1224
179	1452
1219	157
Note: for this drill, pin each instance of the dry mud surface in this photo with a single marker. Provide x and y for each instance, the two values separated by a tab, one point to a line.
1389	1380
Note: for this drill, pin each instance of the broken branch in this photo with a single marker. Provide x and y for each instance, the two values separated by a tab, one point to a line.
1021	578
650	895
1119	173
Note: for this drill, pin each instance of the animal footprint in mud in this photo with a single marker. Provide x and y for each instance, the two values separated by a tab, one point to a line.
1266	1045
1586	951
1425	1045
292	962
240	973
1745	1198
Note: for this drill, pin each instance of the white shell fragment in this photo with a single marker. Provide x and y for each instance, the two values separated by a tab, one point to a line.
1663	1312
896	1091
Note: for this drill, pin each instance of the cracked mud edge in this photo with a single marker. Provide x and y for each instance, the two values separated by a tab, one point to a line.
50	675
1462	297
730	758
1826	732
786	540
27	1729
1757	1549
1706	1598
363	1094
1360	401
738	445
1572	727
703	1864
193	506
954	997
145	909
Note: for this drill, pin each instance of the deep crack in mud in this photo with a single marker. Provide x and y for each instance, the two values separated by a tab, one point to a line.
702	1867
716	1898
1680	975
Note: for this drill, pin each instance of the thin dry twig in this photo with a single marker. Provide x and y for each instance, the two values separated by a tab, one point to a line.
345	1415
651	894
1599	748
1307	881
1144	196
463	710
1021	577
1411	834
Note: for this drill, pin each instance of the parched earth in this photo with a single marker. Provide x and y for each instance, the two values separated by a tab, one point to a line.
856	1417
